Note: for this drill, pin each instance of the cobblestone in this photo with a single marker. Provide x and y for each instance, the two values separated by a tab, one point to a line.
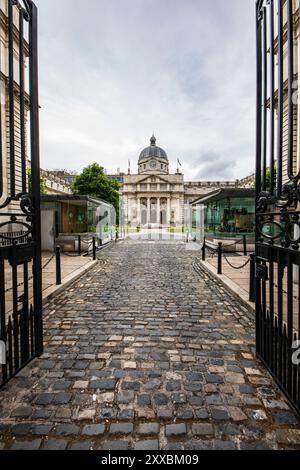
94	429
175	429
147	445
149	428
202	429
142	352
55	444
27	445
121	428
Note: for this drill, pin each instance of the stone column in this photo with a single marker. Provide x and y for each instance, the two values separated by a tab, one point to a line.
169	212
148	210
158	210
138	216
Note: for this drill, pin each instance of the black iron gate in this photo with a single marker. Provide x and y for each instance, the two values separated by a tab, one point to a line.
20	238
278	194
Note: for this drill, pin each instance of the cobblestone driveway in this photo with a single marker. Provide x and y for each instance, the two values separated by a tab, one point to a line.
144	353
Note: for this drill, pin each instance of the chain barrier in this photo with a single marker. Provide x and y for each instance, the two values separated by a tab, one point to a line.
233	266
85	252
213	251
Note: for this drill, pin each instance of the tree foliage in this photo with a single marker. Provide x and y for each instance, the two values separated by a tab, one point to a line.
93	182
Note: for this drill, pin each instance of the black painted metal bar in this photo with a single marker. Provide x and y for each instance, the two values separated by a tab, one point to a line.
290	320
79	245
272	99
276	342
258	102
264	100
258	176
258	310
3	335
11	86
15	316
271	306
22	100
220	252
280	275
58	266
295	374
297	400
32	330
1	145
26	311
290	40
264	312
252	279
280	98
35	170
94	249
10	346
284	356
203	250
245	245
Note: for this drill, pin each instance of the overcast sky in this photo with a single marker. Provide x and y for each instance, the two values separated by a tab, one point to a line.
114	71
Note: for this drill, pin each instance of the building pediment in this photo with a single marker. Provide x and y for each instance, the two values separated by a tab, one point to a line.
158	179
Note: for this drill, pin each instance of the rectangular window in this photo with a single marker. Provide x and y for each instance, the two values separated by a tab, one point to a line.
144	187
153	187
163	187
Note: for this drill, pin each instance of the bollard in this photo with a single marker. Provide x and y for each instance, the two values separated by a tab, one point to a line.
220	258
79	245
58	266
203	250
94	248
245	245
252	279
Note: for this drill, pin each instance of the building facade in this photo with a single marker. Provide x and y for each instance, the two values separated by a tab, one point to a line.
153	197
55	184
157	199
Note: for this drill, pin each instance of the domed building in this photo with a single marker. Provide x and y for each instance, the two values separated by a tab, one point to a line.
157	199
154	197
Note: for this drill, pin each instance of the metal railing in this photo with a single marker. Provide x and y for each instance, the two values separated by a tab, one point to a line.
219	250
92	253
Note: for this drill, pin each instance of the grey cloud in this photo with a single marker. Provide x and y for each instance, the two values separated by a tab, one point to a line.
212	165
111	72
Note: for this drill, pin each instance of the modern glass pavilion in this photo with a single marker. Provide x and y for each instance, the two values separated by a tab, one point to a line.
228	213
65	218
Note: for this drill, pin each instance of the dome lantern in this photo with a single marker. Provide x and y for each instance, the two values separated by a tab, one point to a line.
153	141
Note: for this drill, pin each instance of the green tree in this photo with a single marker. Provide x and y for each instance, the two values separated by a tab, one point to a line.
43	187
93	182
